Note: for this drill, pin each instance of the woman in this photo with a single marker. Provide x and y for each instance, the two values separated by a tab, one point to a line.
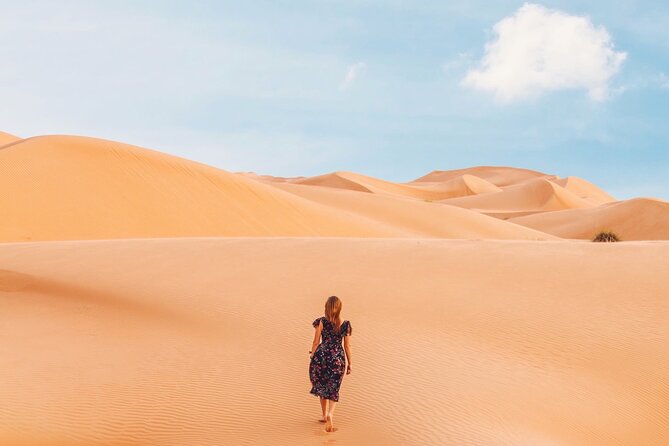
328	364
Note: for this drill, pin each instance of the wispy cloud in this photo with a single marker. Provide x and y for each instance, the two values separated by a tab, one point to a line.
458	64
663	81
538	50
353	72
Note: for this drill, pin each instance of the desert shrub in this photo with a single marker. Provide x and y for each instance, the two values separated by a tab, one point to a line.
606	236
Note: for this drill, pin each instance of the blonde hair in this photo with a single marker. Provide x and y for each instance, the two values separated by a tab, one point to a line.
332	310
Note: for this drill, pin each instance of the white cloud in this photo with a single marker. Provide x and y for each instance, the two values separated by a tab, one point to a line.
538	50
353	72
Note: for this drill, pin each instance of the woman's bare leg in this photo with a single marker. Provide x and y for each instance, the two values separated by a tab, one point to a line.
329	420
324	405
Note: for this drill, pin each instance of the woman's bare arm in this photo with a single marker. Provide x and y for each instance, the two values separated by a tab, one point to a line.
317	339
347	349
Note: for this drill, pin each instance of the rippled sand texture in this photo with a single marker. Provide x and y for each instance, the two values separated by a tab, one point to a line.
204	341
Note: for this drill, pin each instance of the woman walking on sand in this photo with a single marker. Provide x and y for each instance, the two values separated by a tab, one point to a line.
328	364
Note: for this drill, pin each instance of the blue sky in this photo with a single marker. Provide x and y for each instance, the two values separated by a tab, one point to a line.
377	87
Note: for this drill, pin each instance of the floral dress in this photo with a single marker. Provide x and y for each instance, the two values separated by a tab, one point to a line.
328	363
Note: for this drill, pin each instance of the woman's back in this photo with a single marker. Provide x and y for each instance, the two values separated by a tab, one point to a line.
328	363
329	333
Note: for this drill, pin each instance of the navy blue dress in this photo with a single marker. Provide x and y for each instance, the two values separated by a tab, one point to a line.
328	364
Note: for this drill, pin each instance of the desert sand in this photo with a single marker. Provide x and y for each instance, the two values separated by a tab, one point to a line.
635	219
152	300
6	138
531	197
497	175
76	188
205	340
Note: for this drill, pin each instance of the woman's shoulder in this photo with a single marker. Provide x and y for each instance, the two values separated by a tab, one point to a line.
318	320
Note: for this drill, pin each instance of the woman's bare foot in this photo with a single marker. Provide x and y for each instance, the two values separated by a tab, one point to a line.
328	423
323	420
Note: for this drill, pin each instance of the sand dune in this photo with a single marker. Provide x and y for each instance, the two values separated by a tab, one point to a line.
419	218
270	178
497	175
460	186
457	187
6	138
495	178
341	180
87	188
585	190
363	183
529	197
636	219
204	342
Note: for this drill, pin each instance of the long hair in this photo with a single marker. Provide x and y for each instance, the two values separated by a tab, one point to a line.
332	310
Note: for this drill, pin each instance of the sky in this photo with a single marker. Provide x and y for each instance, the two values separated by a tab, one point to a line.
392	89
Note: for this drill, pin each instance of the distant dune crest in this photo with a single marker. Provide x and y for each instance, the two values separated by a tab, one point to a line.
497	175
6	138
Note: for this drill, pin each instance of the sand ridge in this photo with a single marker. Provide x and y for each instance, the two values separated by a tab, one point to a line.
529	197
456	187
634	219
418	217
585	190
497	175
460	186
6	138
